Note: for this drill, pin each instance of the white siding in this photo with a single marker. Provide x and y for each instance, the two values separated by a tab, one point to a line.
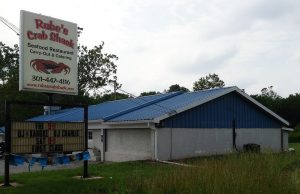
129	144
186	142
268	139
179	143
285	140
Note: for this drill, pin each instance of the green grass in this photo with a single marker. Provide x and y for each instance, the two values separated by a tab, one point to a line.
235	173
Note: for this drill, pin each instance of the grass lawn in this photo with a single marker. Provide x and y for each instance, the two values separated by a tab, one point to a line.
235	173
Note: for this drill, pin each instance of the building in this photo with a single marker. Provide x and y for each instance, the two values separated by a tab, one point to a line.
179	125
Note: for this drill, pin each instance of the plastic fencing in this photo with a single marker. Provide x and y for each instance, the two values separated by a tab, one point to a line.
19	160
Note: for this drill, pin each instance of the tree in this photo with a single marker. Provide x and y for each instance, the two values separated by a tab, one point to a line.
108	97
9	64
207	82
149	93
288	108
176	87
269	98
269	92
96	69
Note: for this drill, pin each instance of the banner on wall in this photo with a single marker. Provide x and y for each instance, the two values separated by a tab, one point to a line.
48	54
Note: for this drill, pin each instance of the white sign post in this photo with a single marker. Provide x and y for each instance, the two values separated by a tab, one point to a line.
48	55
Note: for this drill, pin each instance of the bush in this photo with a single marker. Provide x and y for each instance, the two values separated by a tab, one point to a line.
294	137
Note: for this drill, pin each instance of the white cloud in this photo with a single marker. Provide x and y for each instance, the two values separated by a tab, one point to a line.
251	44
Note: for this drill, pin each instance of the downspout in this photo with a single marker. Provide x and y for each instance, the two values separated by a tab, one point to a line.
104	142
102	145
233	135
155	144
152	127
281	139
171	140
234	126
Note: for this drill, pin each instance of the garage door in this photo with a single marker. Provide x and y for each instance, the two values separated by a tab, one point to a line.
128	144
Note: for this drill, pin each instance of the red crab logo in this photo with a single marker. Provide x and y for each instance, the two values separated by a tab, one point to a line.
48	67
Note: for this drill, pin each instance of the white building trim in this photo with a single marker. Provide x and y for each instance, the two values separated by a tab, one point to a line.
287	129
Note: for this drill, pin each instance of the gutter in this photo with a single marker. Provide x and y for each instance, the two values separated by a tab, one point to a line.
287	129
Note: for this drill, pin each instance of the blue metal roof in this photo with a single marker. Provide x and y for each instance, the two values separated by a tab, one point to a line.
103	110
170	105
146	107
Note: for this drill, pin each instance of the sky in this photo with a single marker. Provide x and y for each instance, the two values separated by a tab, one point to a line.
249	44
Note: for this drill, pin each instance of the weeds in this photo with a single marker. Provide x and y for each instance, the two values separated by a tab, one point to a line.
234	173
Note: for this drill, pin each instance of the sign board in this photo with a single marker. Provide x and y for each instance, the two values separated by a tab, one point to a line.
47	137
48	54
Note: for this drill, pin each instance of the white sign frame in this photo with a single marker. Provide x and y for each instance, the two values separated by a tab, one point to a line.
48	54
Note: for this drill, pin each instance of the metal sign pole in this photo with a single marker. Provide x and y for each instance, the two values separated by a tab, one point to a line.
7	144
85	163
50	99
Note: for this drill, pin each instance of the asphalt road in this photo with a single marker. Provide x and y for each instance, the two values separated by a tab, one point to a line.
37	167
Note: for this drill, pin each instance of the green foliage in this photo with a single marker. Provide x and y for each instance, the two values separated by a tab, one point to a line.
9	75
269	98
9	64
208	82
172	88
176	87
269	92
108	97
294	137
96	69
149	93
288	108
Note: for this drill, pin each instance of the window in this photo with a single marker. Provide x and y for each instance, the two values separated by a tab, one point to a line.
90	135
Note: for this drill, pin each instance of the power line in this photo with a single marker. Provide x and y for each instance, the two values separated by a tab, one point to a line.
10	25
17	30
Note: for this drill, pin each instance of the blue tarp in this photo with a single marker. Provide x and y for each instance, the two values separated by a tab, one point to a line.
2	129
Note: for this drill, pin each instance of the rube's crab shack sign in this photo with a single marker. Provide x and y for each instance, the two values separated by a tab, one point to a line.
48	54
47	137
